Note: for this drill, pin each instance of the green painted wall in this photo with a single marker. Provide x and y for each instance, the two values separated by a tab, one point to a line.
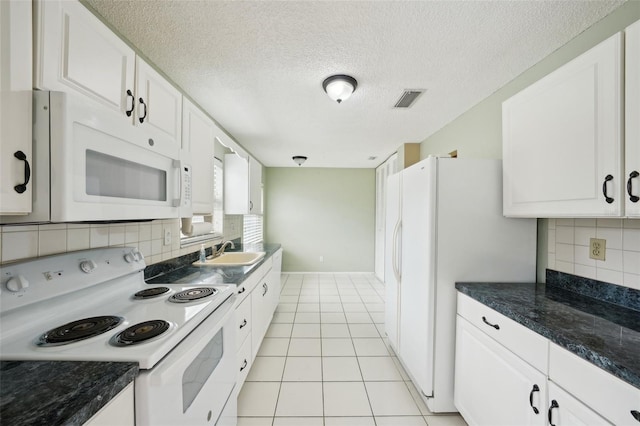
478	132
316	212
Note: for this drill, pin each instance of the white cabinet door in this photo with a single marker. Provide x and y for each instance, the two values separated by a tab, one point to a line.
565	410
274	280
562	140
632	120
118	411
393	235
255	186
75	51
236	184
492	385
16	157
158	109
198	136
260	306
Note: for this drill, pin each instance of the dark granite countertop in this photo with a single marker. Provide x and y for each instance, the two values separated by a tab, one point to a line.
181	271
59	392
603	333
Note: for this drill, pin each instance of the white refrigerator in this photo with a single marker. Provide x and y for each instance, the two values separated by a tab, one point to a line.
444	224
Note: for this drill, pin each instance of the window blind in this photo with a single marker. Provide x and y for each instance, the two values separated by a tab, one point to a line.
252	229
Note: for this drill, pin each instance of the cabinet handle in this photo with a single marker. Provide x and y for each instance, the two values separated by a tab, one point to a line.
496	326
145	111
636	414
634	198
244	365
243	323
604	189
27	172
133	101
250	205
534	389
266	288
242	290
554	404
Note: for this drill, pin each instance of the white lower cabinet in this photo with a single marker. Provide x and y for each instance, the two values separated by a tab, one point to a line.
493	386
565	410
118	411
496	382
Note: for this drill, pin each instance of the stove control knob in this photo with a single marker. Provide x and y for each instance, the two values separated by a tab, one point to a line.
88	266
18	283
138	255
129	257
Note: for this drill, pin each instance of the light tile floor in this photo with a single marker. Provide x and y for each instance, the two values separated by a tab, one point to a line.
325	362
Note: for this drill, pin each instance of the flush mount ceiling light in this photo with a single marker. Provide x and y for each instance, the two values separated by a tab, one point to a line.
299	159
339	87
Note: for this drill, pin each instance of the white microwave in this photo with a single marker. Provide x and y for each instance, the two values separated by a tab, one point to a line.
90	166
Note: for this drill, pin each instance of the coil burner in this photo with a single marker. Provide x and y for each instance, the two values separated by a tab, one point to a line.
140	333
79	330
150	293
192	294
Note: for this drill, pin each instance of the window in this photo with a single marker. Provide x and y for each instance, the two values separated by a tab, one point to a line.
252	229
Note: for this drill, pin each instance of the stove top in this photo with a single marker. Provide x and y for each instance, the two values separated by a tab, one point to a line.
62	312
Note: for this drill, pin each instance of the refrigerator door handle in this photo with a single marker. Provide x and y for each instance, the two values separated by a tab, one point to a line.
396	255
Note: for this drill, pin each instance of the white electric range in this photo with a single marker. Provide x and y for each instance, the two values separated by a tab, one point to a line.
95	306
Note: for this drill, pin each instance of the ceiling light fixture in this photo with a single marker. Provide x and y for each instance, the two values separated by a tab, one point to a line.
299	159
339	87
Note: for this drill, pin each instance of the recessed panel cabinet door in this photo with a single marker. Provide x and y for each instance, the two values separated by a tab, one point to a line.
632	121
74	50
562	139
565	410
158	109
493	386
16	158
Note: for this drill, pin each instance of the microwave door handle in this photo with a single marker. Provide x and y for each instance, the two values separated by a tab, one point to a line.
177	164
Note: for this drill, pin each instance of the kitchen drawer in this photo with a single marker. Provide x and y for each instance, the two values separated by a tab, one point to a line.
245	288
244	362
525	343
243	321
604	393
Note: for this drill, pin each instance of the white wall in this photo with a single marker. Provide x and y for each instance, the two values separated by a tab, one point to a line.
316	212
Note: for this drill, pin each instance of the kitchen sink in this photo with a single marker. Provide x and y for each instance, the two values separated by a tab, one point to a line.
235	259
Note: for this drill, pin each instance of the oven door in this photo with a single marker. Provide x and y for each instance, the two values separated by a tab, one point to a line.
194	384
104	169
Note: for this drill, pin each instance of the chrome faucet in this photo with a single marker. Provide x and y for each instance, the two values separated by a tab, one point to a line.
224	245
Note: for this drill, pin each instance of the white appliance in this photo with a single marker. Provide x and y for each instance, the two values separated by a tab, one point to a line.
444	224
88	165
95	306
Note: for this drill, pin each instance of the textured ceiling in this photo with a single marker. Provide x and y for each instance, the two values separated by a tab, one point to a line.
257	66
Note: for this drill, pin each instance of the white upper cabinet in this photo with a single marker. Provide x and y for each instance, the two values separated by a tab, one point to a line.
632	120
75	52
562	140
242	185
15	108
198	136
158	104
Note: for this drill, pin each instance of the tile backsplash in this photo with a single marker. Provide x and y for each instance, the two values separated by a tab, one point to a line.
28	241
568	249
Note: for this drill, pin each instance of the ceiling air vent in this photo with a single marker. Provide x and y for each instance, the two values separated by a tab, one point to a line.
408	98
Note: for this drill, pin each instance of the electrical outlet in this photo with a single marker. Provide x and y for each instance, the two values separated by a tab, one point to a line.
167	236
597	248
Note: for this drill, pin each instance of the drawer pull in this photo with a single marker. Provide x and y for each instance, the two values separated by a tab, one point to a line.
534	389
554	404
266	288
242	290
243	323
244	365
636	414
496	326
